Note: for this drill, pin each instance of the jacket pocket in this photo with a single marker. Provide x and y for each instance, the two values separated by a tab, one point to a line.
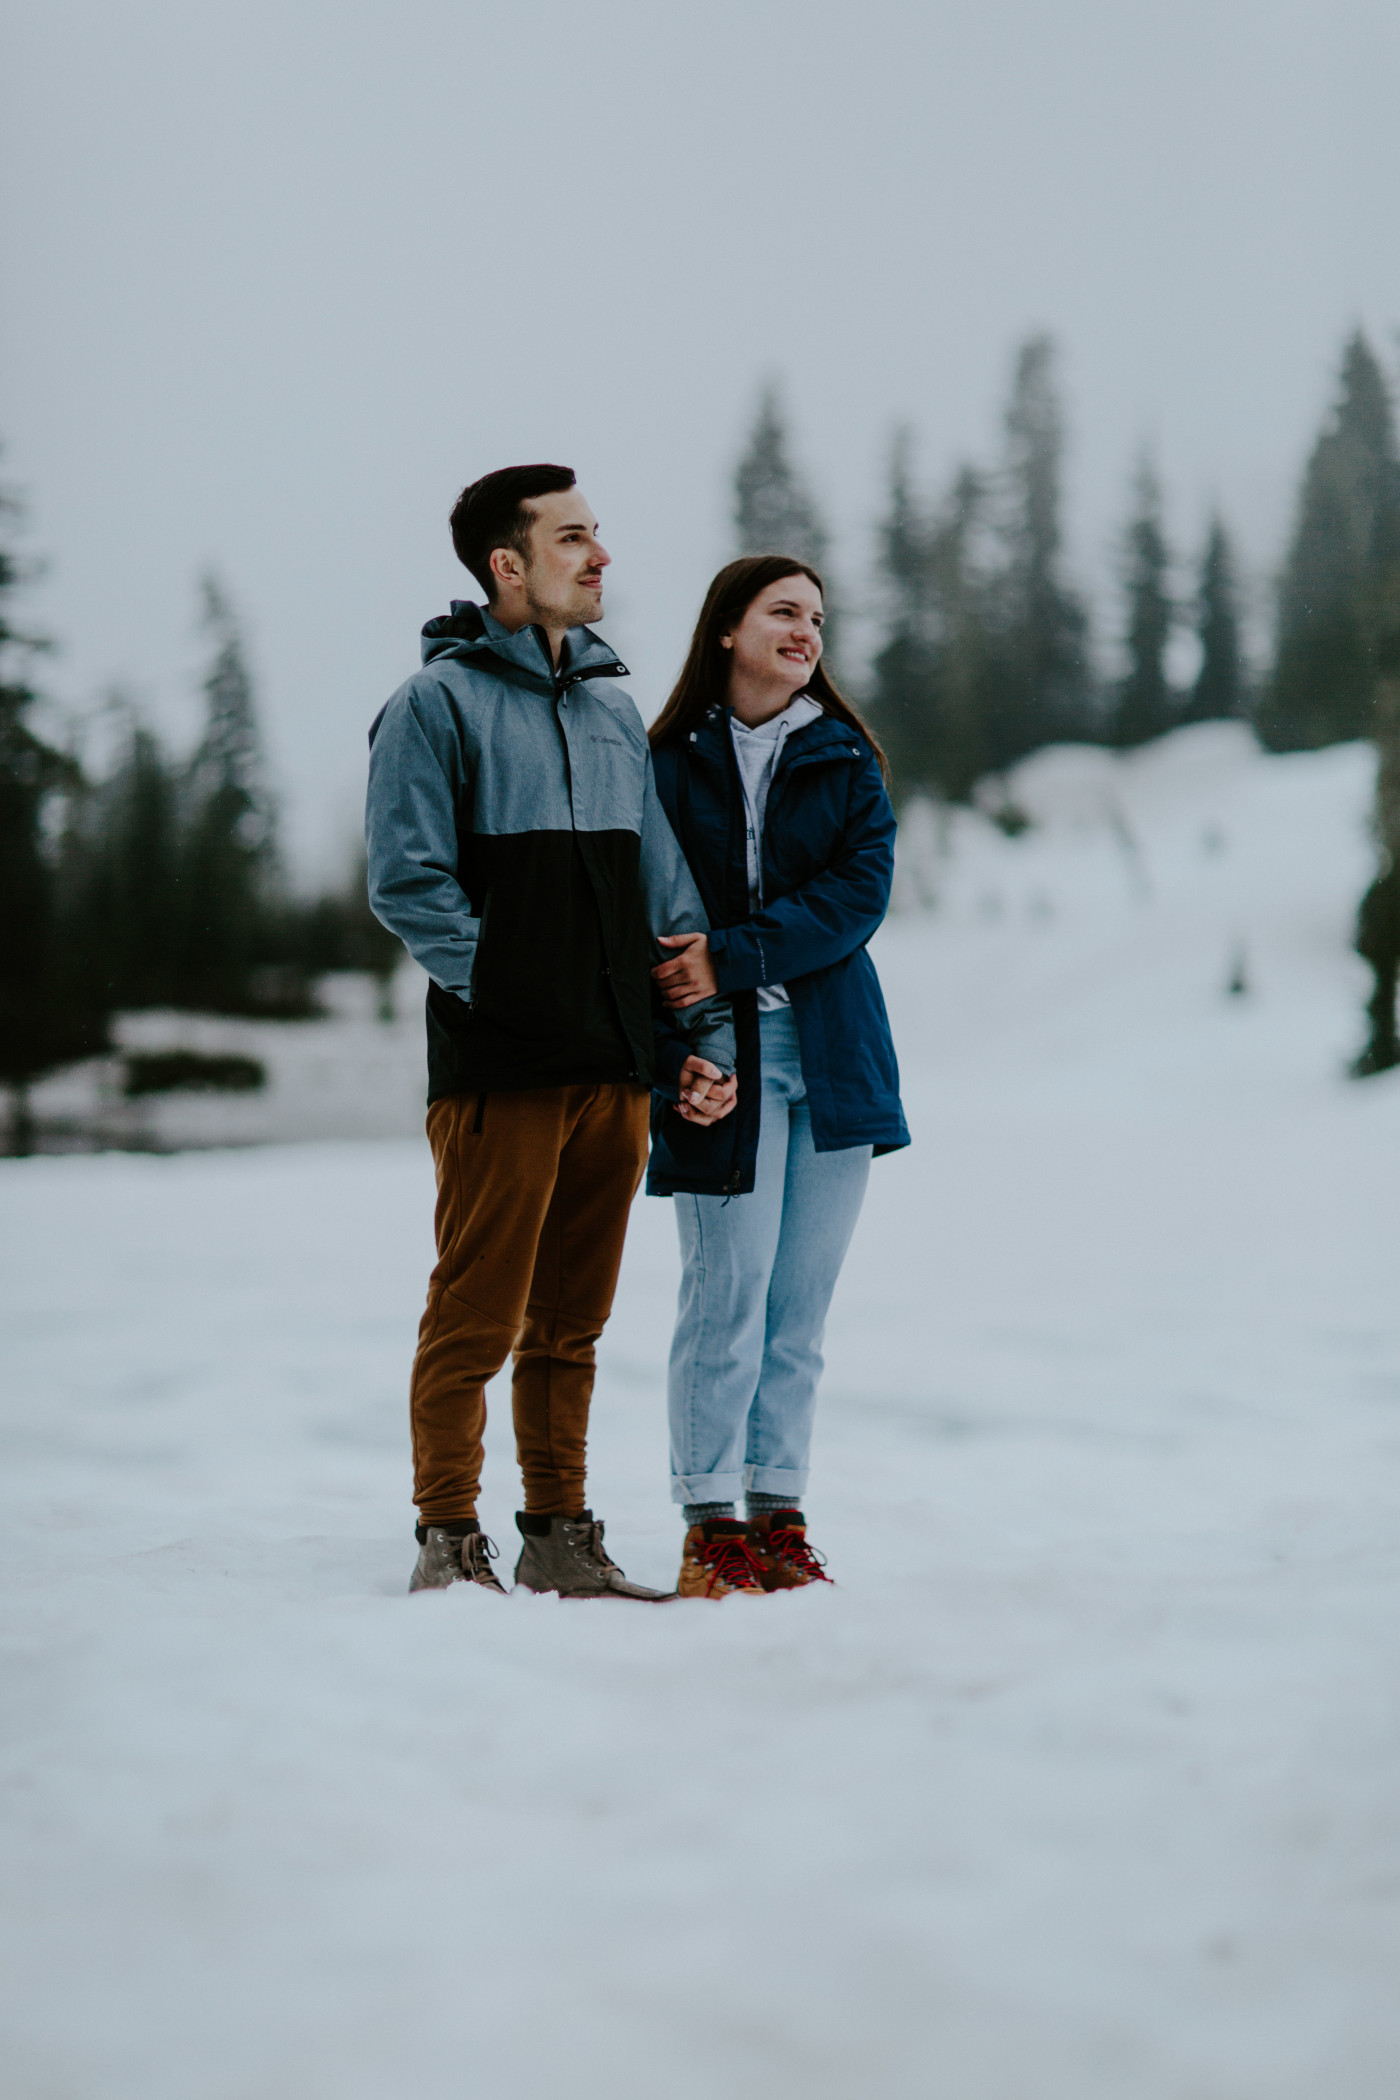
481	961
697	1158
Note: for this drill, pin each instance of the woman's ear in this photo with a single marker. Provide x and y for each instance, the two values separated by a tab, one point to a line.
726	641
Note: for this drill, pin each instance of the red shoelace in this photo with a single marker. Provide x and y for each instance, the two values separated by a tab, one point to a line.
732	1560
790	1546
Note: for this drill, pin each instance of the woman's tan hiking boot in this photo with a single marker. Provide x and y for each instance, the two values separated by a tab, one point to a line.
717	1562
778	1543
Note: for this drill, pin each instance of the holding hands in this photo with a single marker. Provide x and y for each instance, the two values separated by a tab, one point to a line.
706	1096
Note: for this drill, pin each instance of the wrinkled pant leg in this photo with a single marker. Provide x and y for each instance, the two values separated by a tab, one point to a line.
496	1161
822	1197
571	1291
728	1244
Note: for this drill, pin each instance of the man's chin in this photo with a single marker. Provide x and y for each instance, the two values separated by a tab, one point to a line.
581	611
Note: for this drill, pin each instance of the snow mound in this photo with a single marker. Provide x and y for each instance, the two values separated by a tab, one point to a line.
352	1074
1184	911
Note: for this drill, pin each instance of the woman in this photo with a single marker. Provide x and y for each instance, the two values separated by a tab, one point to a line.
776	792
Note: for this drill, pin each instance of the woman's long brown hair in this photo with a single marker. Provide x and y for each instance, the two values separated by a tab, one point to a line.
704	679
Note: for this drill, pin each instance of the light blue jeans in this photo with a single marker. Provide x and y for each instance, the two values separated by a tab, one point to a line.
759	1271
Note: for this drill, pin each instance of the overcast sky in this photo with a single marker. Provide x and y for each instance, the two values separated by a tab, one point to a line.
280	278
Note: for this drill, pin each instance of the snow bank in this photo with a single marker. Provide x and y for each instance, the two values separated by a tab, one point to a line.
1104	938
351	1074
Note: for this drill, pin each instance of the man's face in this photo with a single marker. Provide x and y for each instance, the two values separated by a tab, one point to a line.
563	578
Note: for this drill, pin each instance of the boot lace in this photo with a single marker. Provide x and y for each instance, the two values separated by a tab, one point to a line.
478	1552
790	1546
733	1561
585	1540
597	1551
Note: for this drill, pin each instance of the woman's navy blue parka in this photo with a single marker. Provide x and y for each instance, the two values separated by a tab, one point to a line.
828	861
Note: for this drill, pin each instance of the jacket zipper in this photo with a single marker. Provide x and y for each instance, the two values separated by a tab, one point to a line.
570	679
480	945
562	688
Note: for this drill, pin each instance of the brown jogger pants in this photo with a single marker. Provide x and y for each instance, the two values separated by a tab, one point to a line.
533	1195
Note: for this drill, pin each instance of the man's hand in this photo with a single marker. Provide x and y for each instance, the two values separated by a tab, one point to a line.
706	1095
690	976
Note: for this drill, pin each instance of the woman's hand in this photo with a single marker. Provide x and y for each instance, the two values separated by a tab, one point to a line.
705	1094
690	976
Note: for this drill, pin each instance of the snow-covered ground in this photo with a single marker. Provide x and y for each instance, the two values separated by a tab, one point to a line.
1084	1784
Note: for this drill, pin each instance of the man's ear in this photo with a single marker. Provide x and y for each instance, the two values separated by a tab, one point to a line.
506	566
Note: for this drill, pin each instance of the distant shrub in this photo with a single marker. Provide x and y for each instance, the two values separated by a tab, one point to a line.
191	1072
1010	818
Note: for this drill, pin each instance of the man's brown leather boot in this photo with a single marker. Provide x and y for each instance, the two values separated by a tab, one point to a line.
778	1542
716	1561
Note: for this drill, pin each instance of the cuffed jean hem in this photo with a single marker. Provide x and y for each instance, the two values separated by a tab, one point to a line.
707	1487
776	1480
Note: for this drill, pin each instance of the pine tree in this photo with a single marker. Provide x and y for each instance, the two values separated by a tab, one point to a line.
935	685
986	656
974	730
147	870
1345	539
1221	689
48	1015
1378	918
903	690
773	511
233	952
1047	694
1144	706
121	872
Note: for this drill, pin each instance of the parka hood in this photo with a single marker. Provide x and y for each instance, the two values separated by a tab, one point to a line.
471	634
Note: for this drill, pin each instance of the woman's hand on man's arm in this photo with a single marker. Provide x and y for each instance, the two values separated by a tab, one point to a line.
689	976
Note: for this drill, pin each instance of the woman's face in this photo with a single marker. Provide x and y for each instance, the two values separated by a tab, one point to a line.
779	638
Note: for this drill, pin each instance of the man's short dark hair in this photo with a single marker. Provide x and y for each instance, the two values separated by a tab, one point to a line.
492	513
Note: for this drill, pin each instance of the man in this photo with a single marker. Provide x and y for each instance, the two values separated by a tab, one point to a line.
517	848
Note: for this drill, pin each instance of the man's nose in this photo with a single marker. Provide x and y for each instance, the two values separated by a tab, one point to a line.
601	555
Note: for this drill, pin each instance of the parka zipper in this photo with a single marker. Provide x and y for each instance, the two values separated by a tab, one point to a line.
562	688
581	674
480	945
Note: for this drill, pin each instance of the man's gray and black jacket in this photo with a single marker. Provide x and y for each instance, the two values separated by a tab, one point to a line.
517	848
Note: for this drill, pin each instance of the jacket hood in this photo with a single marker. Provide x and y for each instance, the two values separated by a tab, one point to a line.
798	713
813	732
469	633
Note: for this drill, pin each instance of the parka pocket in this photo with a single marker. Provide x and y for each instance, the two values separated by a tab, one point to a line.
702	1158
482	960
